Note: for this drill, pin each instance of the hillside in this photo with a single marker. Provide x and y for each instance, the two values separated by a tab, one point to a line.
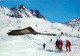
43	26
29	44
75	23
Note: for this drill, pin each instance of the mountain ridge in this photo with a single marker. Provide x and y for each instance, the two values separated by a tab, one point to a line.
75	23
21	11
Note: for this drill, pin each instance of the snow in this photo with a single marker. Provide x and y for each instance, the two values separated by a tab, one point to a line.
31	45
4	10
24	45
75	23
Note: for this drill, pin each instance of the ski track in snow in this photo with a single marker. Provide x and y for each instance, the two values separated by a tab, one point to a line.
24	45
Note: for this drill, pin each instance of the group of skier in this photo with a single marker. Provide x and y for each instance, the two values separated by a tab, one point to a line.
59	45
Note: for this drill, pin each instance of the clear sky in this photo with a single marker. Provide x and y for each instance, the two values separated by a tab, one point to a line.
54	10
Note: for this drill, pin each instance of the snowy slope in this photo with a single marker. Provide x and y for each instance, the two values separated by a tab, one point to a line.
31	45
42	25
75	23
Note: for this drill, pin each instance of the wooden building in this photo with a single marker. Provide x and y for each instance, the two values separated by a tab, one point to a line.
28	30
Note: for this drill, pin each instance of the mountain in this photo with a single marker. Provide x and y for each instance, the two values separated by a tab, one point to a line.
21	12
21	17
75	23
8	23
31	44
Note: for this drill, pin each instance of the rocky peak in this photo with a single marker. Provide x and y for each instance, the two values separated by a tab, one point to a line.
75	23
22	6
75	20
36	11
14	8
22	11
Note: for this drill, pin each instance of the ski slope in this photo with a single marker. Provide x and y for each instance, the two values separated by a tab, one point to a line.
8	23
31	45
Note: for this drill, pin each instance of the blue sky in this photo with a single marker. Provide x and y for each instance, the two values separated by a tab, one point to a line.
54	10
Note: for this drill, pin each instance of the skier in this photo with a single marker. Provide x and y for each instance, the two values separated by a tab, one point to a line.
66	34
44	45
68	45
57	44
51	40
61	44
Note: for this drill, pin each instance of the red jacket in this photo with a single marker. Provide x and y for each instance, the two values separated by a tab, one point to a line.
69	43
61	43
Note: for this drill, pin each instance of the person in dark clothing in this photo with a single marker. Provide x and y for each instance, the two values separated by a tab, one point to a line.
57	44
66	45
51	40
44	45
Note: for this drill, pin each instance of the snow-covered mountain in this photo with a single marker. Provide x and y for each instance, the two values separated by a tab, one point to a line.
29	44
21	12
75	23
40	25
23	17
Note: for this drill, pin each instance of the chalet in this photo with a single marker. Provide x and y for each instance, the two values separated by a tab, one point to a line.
28	30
